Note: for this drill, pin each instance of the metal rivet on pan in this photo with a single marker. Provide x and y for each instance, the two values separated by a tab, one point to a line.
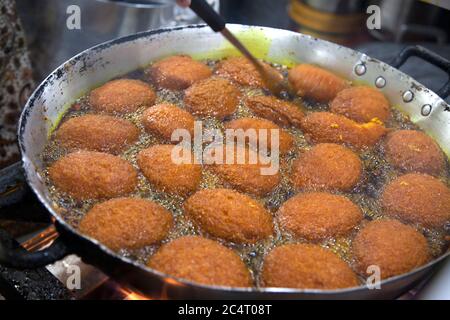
380	82
426	110
408	96
360	69
447	227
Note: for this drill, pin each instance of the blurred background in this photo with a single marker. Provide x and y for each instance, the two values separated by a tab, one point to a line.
341	21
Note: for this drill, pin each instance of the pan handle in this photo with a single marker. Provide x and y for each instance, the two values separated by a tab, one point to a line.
19	258
12	184
12	190
429	56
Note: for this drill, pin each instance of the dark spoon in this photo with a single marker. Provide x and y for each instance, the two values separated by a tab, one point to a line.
273	80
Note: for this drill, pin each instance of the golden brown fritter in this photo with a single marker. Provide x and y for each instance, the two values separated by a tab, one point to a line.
316	216
122	96
97	133
241	71
203	261
285	141
417	198
316	83
163	119
247	177
329	127
93	175
306	266
127	223
212	97
361	104
392	246
160	169
414	151
229	215
177	72
281	112
327	167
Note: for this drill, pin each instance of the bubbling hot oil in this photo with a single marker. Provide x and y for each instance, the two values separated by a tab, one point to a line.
377	173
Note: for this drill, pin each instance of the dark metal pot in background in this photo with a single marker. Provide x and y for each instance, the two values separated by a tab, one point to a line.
100	64
413	20
340	21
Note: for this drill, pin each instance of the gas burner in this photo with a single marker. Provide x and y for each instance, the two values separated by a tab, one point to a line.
59	280
37	284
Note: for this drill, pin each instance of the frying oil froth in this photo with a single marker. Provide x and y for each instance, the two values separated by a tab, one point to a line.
377	173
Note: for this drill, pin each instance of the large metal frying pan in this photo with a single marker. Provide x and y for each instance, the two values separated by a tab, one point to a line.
101	63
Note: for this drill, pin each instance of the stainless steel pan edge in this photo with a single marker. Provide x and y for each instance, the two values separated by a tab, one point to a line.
101	63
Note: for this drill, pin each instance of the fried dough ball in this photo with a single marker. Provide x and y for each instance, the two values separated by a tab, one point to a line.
316	83
306	266
316	216
329	127
414	151
93	175
127	223
417	198
241	71
327	167
392	246
212	97
361	104
177	72
163	119
203	261
122	96
229	215
281	112
97	133
285	141
247	176
162	171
